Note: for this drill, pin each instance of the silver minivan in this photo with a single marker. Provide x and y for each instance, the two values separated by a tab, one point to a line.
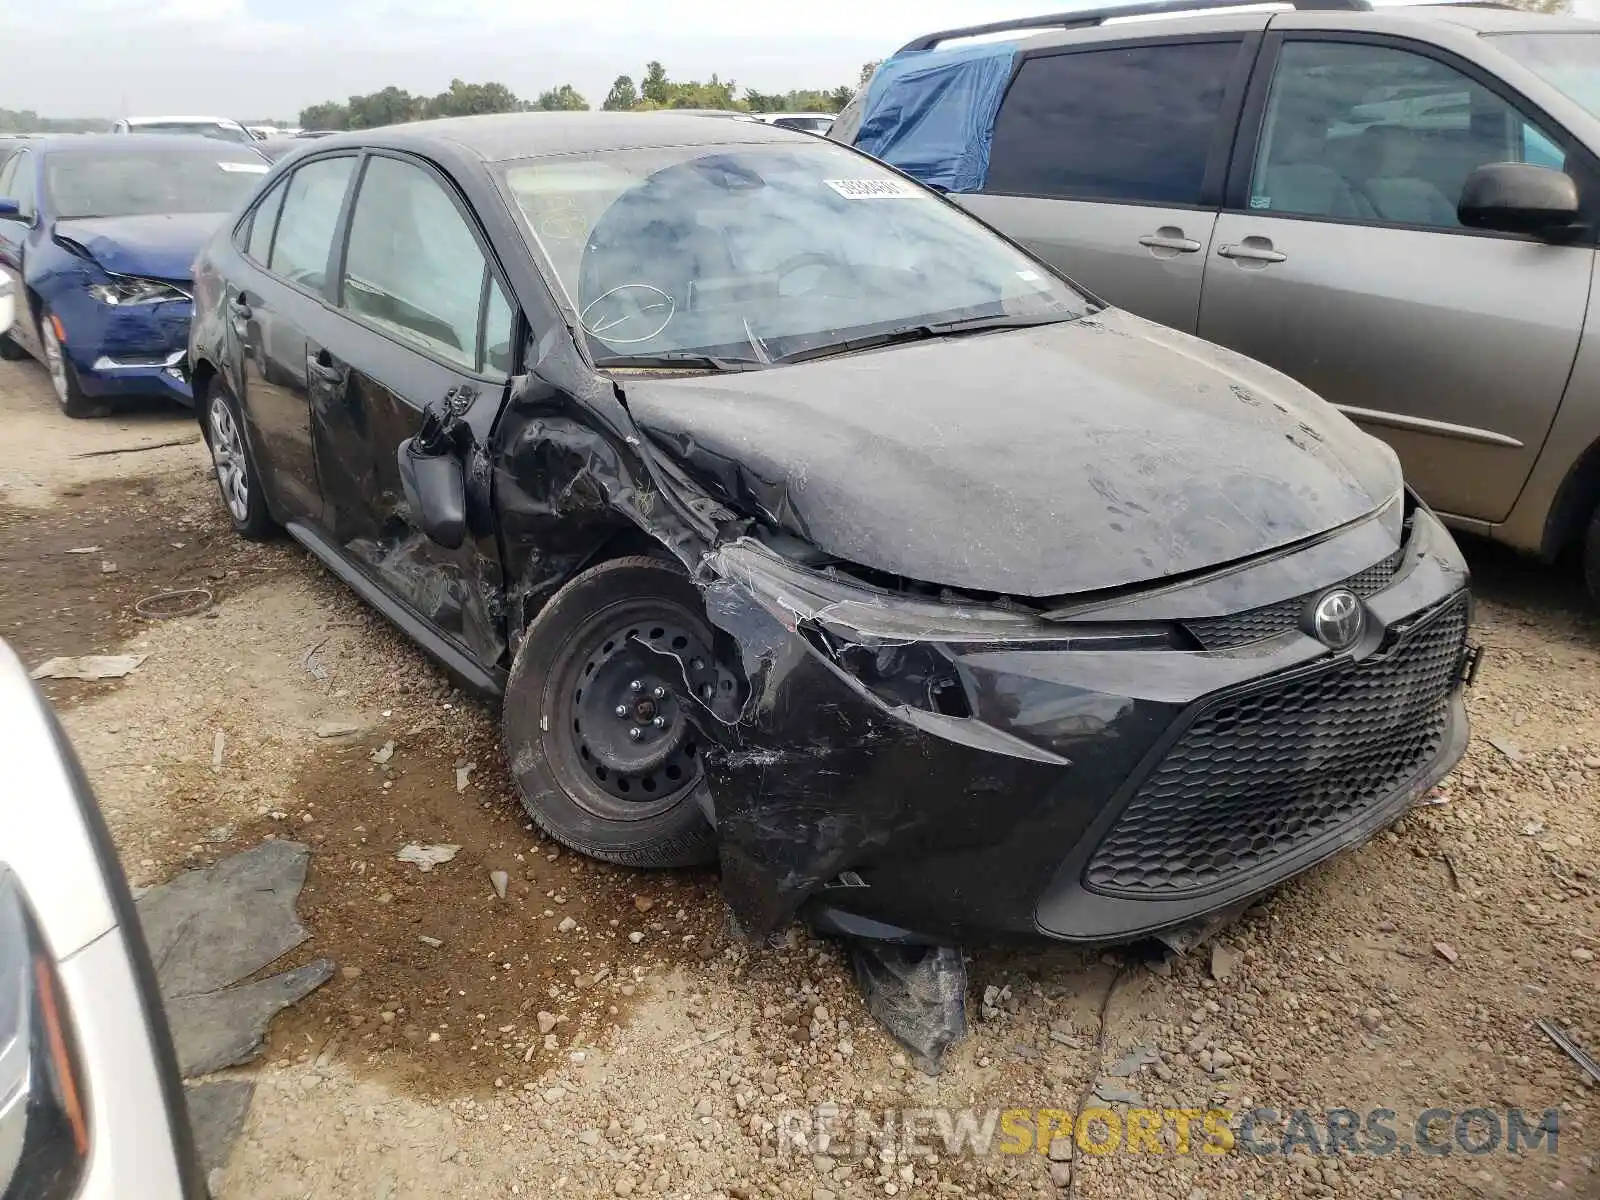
1396	207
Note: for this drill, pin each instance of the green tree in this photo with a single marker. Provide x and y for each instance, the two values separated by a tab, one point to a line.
654	86
330	114
472	99
866	72
389	107
565	98
622	96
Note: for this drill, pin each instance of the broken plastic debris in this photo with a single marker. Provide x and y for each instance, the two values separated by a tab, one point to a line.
918	993
337	727
433	942
84	550
90	667
427	857
463	775
383	753
1507	747
499	881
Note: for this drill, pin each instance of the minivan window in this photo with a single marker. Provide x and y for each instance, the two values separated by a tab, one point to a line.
1569	62
135	181
413	267
1133	124
310	213
1361	132
758	251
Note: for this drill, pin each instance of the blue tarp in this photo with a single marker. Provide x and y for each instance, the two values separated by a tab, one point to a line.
931	113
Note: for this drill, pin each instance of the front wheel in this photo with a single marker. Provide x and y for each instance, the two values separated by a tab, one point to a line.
237	478
597	728
63	375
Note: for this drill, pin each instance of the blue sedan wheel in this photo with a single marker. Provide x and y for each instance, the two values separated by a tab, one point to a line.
63	377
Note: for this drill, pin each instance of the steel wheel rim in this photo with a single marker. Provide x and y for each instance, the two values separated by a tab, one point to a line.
227	456
625	778
55	361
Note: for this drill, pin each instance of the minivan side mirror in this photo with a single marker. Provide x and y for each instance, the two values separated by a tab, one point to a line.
1518	198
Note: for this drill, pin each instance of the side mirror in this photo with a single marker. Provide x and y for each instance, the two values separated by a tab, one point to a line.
10	209
1518	198
436	492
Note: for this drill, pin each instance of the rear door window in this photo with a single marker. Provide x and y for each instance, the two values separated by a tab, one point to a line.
310	214
1133	124
262	224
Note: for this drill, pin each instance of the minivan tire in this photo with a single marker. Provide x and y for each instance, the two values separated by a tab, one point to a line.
570	758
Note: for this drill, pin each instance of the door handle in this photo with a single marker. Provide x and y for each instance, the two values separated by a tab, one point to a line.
1168	238
239	310
325	369
1252	249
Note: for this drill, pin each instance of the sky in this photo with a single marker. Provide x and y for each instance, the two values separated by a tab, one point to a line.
270	58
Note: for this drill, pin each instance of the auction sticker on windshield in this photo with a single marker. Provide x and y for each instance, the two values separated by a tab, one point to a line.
249	168
872	189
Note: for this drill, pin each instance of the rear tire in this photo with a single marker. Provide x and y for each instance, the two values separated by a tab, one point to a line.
238	481
1591	557
592	766
9	350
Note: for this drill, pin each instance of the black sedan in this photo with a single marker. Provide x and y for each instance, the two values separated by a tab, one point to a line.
801	520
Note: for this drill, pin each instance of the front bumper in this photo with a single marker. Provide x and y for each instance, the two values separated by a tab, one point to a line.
129	350
1084	794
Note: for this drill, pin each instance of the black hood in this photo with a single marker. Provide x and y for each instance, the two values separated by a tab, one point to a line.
1067	458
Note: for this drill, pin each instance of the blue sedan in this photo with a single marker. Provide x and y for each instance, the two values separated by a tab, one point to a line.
98	234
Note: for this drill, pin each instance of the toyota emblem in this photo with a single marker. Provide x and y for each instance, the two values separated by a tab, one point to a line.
1338	619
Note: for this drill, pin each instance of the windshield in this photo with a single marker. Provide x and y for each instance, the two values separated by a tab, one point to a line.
1569	62
206	129
764	251
128	183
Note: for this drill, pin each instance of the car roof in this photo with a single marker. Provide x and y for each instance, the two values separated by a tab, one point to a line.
1475	16
503	136
75	142
191	120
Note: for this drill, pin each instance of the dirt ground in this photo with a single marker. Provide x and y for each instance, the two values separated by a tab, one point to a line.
596	1033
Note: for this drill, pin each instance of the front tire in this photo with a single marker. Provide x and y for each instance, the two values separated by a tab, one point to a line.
1591	557
237	478
599	735
63	375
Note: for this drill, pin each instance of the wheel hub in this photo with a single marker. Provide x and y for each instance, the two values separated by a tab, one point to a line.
630	714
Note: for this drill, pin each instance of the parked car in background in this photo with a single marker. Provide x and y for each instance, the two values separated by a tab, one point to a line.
797	516
805	122
98	233
275	148
91	1104
1396	207
221	128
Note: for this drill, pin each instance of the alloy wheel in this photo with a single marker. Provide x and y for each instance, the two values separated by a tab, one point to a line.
227	455
55	361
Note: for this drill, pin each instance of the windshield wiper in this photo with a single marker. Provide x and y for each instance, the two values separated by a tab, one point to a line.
677	361
924	332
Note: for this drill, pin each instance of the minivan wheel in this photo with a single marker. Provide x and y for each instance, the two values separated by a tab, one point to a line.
600	736
237	478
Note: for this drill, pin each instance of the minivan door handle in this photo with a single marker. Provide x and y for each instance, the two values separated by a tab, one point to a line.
1170	237
1252	249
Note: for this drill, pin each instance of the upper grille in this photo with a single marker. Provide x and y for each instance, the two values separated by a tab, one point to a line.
1266	773
1253	625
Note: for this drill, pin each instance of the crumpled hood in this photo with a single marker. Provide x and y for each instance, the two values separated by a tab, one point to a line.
163	246
1066	458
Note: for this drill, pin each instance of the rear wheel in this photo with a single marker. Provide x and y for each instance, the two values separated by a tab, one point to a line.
1591	557
597	726
9	350
237	479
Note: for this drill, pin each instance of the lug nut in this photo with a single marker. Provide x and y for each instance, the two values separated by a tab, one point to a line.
636	733
659	722
697	664
659	692
637	685
621	710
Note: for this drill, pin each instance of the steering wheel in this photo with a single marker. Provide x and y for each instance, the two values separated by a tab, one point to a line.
624	310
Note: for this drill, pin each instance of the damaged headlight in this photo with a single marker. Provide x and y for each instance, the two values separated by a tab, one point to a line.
44	1132
128	289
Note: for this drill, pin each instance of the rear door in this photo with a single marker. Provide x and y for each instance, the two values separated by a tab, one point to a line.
1340	260
271	304
1108	162
424	316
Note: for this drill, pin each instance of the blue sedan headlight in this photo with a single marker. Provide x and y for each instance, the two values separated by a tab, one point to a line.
129	289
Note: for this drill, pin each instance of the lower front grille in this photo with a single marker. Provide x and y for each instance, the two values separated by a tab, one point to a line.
1260	775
